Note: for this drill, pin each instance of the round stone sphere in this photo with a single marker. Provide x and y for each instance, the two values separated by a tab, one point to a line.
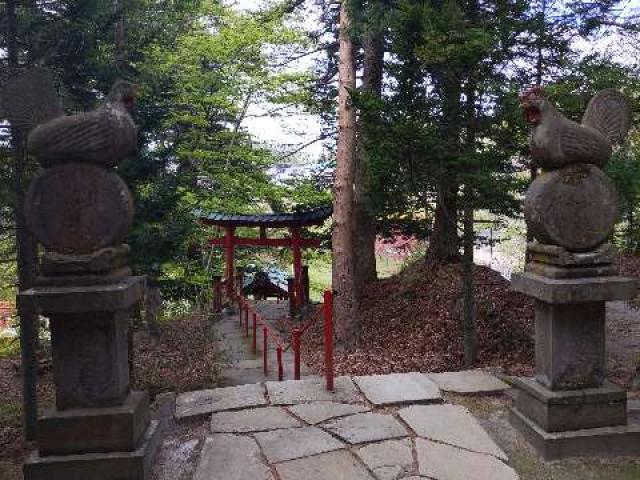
575	207
78	208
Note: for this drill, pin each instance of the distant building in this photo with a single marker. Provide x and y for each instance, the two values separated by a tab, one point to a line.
7	312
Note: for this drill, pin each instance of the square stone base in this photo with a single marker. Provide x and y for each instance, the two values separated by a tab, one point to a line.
94	430
135	465
566	410
574	290
603	442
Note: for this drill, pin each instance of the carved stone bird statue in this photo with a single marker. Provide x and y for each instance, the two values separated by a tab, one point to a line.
103	136
557	141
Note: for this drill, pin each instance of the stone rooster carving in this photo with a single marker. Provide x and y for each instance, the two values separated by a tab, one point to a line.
102	136
557	141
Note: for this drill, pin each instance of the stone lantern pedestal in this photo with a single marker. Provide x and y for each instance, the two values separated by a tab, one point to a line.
80	212
569	409
99	428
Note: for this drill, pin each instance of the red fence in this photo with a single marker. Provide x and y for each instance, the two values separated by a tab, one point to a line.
272	337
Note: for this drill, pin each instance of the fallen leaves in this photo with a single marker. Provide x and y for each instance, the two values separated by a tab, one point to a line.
182	358
412	322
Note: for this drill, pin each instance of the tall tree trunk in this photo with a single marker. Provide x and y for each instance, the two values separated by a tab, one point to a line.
444	243
346	302
469	323
26	251
469	316
365	221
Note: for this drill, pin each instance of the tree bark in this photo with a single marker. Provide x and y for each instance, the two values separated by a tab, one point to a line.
444	243
346	300
26	252
469	314
469	323
365	221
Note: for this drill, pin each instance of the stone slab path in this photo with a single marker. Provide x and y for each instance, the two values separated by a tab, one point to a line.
468	382
246	367
296	430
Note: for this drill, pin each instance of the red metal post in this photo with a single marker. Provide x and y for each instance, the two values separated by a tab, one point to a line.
229	237
305	285
291	282
246	321
240	307
280	368
295	343
297	263
264	349
254	340
328	338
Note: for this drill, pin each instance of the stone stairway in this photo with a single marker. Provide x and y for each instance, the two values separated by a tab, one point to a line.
244	366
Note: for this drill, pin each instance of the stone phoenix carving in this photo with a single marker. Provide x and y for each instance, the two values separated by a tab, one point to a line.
103	136
557	141
77	206
573	204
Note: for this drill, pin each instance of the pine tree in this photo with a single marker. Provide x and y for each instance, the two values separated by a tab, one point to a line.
343	235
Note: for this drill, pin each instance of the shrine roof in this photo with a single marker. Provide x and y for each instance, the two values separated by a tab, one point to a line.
273	220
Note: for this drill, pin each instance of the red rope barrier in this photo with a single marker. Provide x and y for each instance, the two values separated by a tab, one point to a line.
280	368
295	341
326	311
264	349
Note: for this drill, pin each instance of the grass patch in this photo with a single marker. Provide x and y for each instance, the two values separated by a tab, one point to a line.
9	346
320	273
10	414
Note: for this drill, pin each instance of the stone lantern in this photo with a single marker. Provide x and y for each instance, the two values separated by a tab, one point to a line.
81	211
569	408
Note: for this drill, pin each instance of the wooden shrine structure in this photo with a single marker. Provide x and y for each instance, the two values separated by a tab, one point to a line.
294	222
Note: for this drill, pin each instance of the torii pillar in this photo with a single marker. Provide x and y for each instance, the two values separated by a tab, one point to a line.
229	243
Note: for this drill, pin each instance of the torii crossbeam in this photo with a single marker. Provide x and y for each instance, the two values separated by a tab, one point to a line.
292	221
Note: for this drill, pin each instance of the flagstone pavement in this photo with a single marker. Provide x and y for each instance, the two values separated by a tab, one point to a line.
381	427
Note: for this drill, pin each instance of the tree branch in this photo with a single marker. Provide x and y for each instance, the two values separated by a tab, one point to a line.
308	144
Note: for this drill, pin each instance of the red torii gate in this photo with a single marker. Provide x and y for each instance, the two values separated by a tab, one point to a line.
292	221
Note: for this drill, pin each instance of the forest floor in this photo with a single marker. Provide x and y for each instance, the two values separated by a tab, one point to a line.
412	322
183	357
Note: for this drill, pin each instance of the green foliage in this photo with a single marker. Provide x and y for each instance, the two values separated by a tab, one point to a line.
200	65
9	346
624	170
418	128
424	133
